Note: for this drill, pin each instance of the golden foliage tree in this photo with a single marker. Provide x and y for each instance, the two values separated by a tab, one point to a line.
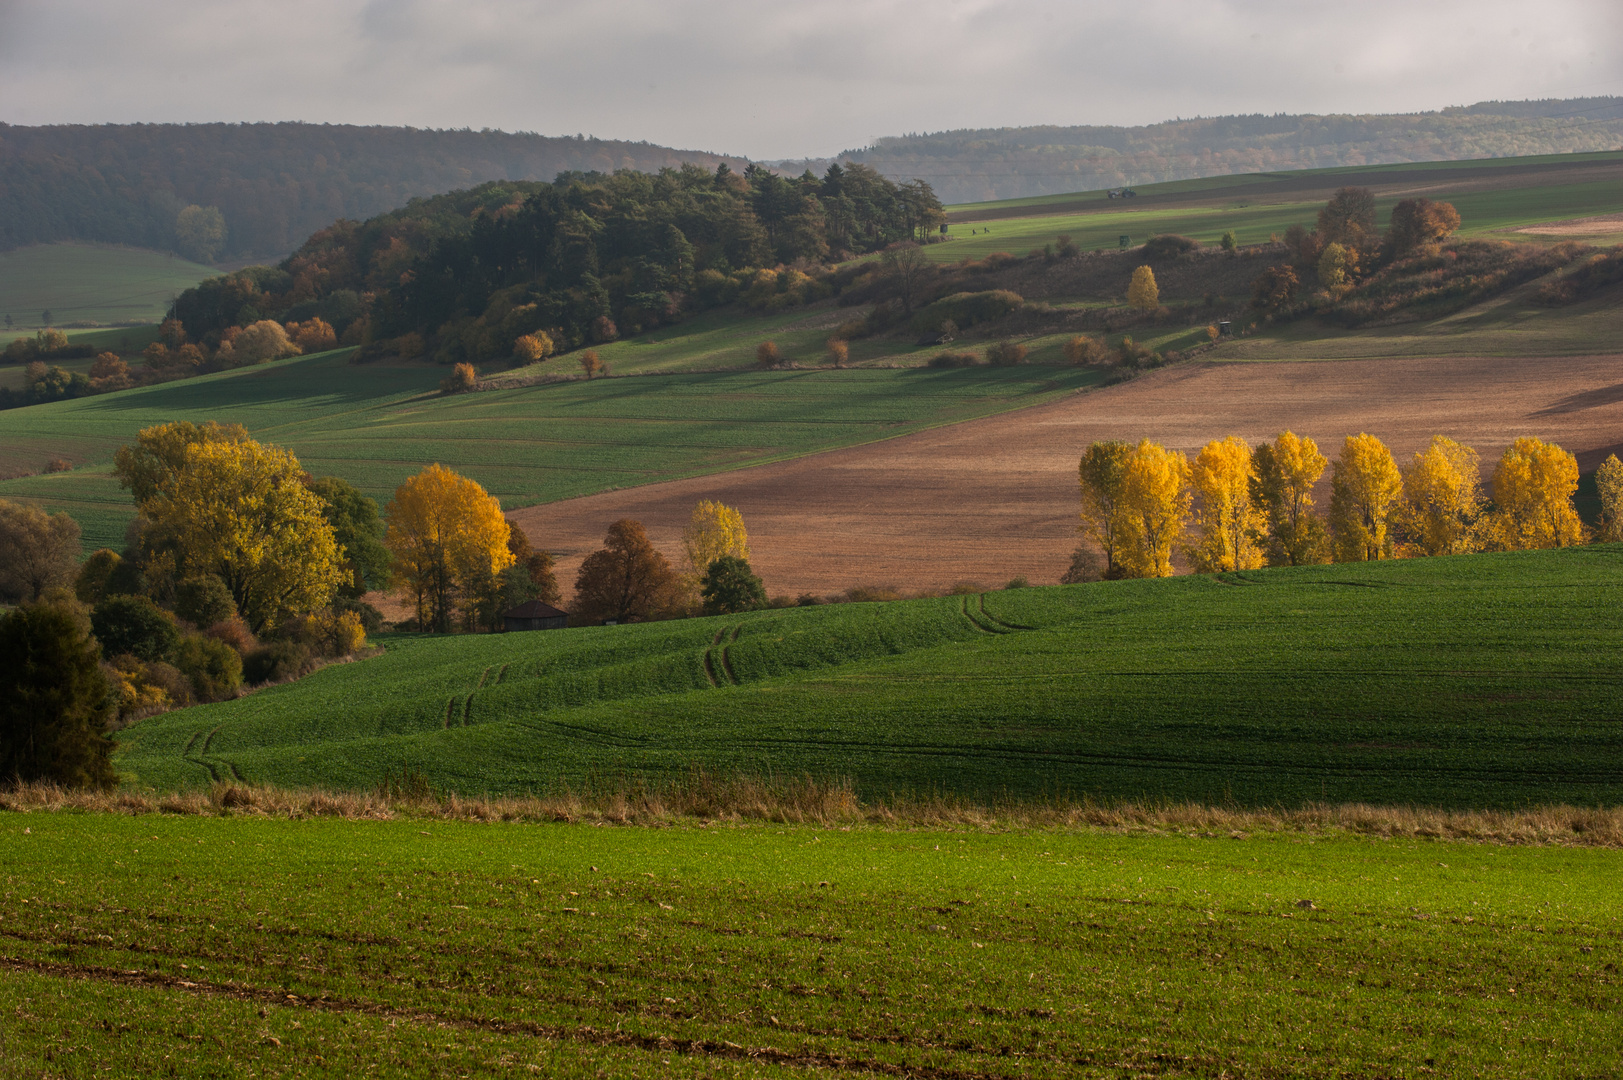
1365	486
313	336
838	352
258	343
1103	472
626	580
531	348
241	511
1142	292
1442	498
1418	222
1155	500
591	363
1284	474
1338	264
713	531
1609	485
1229	522
159	453
1086	349
448	538
1532	494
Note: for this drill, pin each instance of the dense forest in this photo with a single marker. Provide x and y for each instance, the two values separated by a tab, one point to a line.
463	276
1011	163
272	185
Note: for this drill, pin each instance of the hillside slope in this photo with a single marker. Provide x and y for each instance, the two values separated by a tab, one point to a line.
1474	681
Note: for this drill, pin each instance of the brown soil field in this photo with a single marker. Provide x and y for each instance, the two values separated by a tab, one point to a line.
990	499
1603	225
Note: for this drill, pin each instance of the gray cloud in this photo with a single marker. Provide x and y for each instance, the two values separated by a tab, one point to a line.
780	79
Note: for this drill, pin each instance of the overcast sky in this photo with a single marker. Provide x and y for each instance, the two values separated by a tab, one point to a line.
772	80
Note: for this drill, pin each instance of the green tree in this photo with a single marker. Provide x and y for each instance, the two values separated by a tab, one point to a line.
358	529
53	695
1103	472
204	600
90	584
200	232
134	625
1609	485
730	587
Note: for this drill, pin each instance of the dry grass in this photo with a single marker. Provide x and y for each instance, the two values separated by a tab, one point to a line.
703	798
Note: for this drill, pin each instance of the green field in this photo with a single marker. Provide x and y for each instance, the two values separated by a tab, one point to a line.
1473	681
1256	206
80	283
376	425
246	945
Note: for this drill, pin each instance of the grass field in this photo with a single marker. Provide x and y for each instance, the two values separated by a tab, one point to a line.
245	945
1475	681
1494	198
91	283
377	425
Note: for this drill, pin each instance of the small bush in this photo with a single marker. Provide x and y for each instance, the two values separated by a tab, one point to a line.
1133	355
1005	354
462	379
174	684
852	329
1086	565
838	352
1018	582
967	309
767	355
954	360
235	633
1086	349
56	465
134	625
204	600
1168	246
276	662
211	666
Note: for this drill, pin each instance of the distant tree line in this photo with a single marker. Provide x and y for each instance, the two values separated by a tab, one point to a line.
257	190
518	271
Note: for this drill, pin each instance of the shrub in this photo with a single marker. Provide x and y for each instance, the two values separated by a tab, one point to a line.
603	330
530	348
213	668
1019	582
277	661
767	354
462	379
204	600
1168	246
91	583
235	633
838	352
1086	349
56	465
134	625
954	360
313	336
168	678
1086	565
258	343
966	309
53	695
1131	354
1065	247
591	363
370	617
1005	354
852	329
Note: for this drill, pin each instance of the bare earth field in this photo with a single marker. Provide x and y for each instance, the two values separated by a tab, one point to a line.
990	499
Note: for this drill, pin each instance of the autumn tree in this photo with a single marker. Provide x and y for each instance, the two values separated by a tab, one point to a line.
1418	222
241	511
1532	495
1103	472
905	268
1228	521
258	343
159	453
1283	475
1365	487
53	700
838	351
448	537
1337	267
532	348
313	336
1155	503
1274	289
1442	498
1086	349
1609	485
1349	218
38	551
1143	293
767	355
591	363
462	379
712	531
626	580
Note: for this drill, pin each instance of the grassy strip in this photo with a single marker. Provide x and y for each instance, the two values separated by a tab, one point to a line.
195	945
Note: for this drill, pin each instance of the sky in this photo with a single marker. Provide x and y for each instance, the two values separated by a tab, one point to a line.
774	80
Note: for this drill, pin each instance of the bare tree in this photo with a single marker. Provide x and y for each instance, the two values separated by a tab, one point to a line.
907	268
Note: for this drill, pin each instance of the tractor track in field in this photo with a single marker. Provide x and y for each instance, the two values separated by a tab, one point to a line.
585	1034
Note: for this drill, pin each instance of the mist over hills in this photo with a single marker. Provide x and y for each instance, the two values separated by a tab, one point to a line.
275	184
1018	162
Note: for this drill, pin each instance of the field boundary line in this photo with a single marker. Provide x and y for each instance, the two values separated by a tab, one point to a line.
584	1034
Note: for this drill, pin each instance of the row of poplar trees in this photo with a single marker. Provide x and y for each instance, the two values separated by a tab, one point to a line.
1256	506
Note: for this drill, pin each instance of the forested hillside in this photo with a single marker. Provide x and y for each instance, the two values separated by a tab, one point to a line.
272	184
1011	163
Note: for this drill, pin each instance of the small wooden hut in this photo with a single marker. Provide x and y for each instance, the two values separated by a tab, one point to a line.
534	615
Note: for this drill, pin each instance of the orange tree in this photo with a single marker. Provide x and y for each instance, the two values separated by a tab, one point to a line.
448	538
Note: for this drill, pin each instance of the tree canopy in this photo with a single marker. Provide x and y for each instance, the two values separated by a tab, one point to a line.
449	539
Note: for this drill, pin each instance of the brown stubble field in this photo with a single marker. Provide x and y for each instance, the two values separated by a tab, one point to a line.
992	499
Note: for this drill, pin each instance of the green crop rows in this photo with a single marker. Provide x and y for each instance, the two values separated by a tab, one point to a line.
1477	681
376	426
158	945
91	283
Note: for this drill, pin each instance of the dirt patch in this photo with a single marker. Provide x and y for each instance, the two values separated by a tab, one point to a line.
991	499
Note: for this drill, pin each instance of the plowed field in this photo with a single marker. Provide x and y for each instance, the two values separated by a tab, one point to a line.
990	499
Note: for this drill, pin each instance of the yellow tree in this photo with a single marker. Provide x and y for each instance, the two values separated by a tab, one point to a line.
1532	494
713	531
241	511
1155	496
1609	485
1103	472
448	537
1365	486
1229	521
1142	292
1337	267
1442	498
1284	474
159	453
